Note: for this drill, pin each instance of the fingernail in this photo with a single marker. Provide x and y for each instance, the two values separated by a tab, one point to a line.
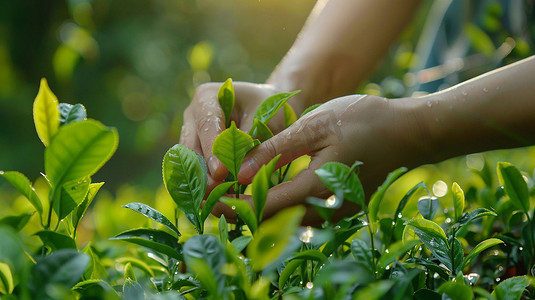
212	164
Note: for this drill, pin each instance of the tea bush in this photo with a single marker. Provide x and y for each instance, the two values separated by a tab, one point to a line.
484	247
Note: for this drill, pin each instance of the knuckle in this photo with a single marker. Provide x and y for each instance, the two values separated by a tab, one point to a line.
270	150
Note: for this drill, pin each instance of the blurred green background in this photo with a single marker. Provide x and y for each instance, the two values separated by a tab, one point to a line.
134	64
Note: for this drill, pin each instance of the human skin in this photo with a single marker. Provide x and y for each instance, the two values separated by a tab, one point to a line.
337	48
493	111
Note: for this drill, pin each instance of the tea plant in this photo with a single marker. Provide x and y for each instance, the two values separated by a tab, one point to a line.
482	248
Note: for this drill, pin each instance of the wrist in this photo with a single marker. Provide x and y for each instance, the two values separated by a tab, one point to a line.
415	132
320	77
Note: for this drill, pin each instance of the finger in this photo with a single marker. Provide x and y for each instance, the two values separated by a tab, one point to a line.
303	185
209	123
188	134
299	139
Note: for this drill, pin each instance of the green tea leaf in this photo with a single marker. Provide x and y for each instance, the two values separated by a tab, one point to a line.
223	230
23	185
457	256
270	241
310	254
16	222
78	150
375	290
244	211
152	214
406	199
136	263
95	269
511	288
363	254
337	176
226	99
56	240
377	197
469	216
456	290
288	271
262	130
82	208
72	193
45	113
399	248
269	107
310	108
480	248
458	200
6	279
205	256
212	199
71	113
157	240
185	180
289	115
514	184
260	186
344	272
231	146
241	242
434	238
95	289
12	251
63	267
431	266
427	206
326	207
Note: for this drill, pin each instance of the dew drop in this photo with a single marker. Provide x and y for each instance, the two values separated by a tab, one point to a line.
435	275
485	90
272	245
339	123
289	135
310	285
400	215
429	104
205	129
464	93
233	207
209	113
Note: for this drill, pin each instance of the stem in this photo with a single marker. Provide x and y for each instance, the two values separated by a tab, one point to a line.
50	208
372	243
452	253
531	246
286	171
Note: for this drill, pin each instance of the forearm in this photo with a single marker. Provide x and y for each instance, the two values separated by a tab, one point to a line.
493	111
339	46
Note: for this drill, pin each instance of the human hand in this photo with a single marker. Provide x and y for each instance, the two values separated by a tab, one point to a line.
377	131
204	120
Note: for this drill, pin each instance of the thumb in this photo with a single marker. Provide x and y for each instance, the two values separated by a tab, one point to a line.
286	143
